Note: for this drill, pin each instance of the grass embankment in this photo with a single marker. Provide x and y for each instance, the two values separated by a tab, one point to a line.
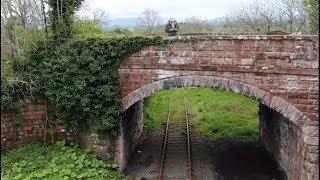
58	161
218	114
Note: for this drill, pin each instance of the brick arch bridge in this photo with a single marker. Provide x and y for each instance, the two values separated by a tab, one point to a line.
281	72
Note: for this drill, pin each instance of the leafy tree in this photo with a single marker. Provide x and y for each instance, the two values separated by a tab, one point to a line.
87	27
62	17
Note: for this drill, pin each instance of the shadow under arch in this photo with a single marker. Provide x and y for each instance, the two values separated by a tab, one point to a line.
286	109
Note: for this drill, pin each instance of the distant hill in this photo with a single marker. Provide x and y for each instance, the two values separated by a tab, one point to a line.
120	22
217	21
132	22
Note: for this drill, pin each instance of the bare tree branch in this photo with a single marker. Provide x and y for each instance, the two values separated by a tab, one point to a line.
149	20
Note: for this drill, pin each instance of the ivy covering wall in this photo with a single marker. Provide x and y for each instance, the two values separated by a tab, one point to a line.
80	77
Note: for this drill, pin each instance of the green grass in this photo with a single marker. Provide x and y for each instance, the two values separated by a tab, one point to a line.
58	161
218	114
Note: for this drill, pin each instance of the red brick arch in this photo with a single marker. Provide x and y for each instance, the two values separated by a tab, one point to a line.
276	103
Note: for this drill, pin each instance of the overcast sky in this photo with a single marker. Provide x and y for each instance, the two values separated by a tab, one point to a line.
179	9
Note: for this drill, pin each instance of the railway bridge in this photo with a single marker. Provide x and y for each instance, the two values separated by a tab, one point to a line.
281	72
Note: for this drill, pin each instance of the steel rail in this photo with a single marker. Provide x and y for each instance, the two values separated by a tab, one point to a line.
188	141
160	176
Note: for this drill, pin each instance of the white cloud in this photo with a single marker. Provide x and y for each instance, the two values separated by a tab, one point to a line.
179	9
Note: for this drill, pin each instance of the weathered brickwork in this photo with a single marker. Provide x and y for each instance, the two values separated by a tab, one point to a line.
281	72
283	140
130	132
19	129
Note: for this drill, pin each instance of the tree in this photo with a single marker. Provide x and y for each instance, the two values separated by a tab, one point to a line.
149	20
263	17
313	10
90	20
28	12
97	15
61	16
21	22
100	15
196	25
292	15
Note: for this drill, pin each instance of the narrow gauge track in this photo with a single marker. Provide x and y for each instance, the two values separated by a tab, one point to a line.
176	143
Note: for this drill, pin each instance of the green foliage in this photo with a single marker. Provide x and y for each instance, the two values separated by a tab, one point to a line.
80	77
313	9
17	42
61	16
14	87
28	39
17	85
218	114
56	162
122	31
87	27
7	98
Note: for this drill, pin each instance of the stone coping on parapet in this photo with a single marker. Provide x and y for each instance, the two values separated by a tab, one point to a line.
240	37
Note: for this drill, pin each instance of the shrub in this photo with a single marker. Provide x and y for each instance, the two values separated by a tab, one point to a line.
17	85
56	162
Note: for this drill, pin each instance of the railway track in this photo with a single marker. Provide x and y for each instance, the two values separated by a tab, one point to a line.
176	159
178	151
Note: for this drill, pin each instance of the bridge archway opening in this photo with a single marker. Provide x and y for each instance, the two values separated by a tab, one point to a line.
280	128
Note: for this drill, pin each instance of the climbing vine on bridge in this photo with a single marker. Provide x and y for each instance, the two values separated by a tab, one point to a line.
80	77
